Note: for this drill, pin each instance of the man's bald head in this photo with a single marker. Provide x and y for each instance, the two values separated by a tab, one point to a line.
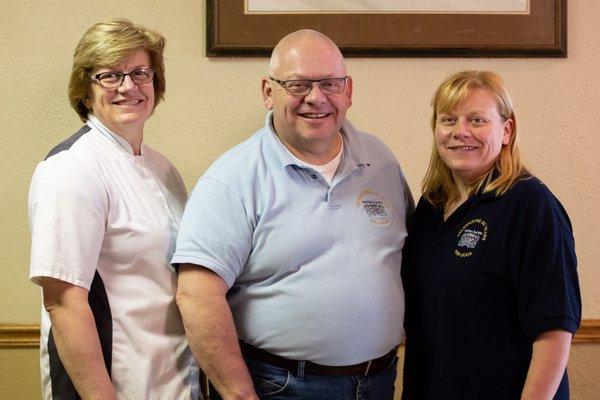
301	44
308	122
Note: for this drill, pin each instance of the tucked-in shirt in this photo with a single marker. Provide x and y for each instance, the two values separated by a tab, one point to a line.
313	267
106	220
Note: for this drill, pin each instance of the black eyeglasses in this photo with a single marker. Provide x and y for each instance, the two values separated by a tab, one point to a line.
114	79
302	87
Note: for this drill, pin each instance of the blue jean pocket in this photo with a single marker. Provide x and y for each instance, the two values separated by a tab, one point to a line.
268	380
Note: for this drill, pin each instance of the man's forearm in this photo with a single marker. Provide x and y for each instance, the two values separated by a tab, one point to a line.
211	333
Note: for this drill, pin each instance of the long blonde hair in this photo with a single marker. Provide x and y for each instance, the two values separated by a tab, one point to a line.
438	185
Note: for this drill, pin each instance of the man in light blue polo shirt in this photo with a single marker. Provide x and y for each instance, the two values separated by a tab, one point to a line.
290	246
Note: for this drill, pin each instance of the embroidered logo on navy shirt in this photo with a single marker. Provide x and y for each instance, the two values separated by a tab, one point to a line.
469	236
375	206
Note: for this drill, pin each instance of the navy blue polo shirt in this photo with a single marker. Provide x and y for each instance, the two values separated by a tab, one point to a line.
480	287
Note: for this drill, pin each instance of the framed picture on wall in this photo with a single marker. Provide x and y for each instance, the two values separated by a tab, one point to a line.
393	28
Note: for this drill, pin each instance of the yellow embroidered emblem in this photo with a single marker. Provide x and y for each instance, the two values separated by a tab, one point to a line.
469	236
376	207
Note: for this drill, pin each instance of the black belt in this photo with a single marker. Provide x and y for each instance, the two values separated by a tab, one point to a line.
365	368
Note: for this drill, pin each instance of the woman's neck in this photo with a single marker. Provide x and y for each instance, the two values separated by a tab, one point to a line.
453	205
132	134
134	139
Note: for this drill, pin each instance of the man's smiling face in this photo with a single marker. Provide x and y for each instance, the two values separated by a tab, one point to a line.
314	118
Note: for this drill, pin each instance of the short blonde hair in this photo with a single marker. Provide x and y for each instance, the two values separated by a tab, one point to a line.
438	184
106	44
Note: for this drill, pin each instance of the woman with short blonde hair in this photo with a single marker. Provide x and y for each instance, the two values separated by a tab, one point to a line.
104	210
108	43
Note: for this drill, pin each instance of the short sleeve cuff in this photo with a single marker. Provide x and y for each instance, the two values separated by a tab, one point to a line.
212	265
567	324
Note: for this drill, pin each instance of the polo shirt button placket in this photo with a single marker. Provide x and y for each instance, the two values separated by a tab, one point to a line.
332	204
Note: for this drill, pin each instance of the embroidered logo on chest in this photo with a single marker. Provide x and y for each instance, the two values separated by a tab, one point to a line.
470	235
375	206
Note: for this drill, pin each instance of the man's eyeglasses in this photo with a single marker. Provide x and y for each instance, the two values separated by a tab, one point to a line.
302	87
114	79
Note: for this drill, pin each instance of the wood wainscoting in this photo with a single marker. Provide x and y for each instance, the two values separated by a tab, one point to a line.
19	335
28	335
589	332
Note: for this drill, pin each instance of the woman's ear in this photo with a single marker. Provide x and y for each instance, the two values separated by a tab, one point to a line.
508	131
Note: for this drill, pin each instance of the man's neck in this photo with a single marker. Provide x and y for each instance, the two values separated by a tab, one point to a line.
315	153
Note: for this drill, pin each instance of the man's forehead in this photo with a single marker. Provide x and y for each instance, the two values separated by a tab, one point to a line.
305	53
310	63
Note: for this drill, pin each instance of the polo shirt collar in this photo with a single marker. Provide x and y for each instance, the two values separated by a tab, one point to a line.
473	202
354	150
280	151
481	197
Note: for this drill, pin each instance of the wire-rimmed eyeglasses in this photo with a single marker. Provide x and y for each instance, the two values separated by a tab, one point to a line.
302	87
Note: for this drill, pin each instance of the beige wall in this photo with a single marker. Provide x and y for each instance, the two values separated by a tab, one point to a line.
213	104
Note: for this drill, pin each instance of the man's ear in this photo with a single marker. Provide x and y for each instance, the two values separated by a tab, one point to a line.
267	92
349	90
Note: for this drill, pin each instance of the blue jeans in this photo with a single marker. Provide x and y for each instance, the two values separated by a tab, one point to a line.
275	383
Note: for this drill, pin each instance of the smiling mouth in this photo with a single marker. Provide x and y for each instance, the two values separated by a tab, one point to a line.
315	115
128	102
465	148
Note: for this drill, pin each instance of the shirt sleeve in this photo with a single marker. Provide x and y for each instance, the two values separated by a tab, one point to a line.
549	297
215	231
408	200
67	219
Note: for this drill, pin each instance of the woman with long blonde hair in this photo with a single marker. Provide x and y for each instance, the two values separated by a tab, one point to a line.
489	266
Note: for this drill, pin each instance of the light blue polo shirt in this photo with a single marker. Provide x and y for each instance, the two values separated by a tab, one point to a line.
314	269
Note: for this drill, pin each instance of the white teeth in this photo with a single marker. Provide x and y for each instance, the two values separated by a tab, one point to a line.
314	115
128	102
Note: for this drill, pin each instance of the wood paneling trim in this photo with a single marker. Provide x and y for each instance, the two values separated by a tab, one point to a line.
28	335
589	332
19	335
